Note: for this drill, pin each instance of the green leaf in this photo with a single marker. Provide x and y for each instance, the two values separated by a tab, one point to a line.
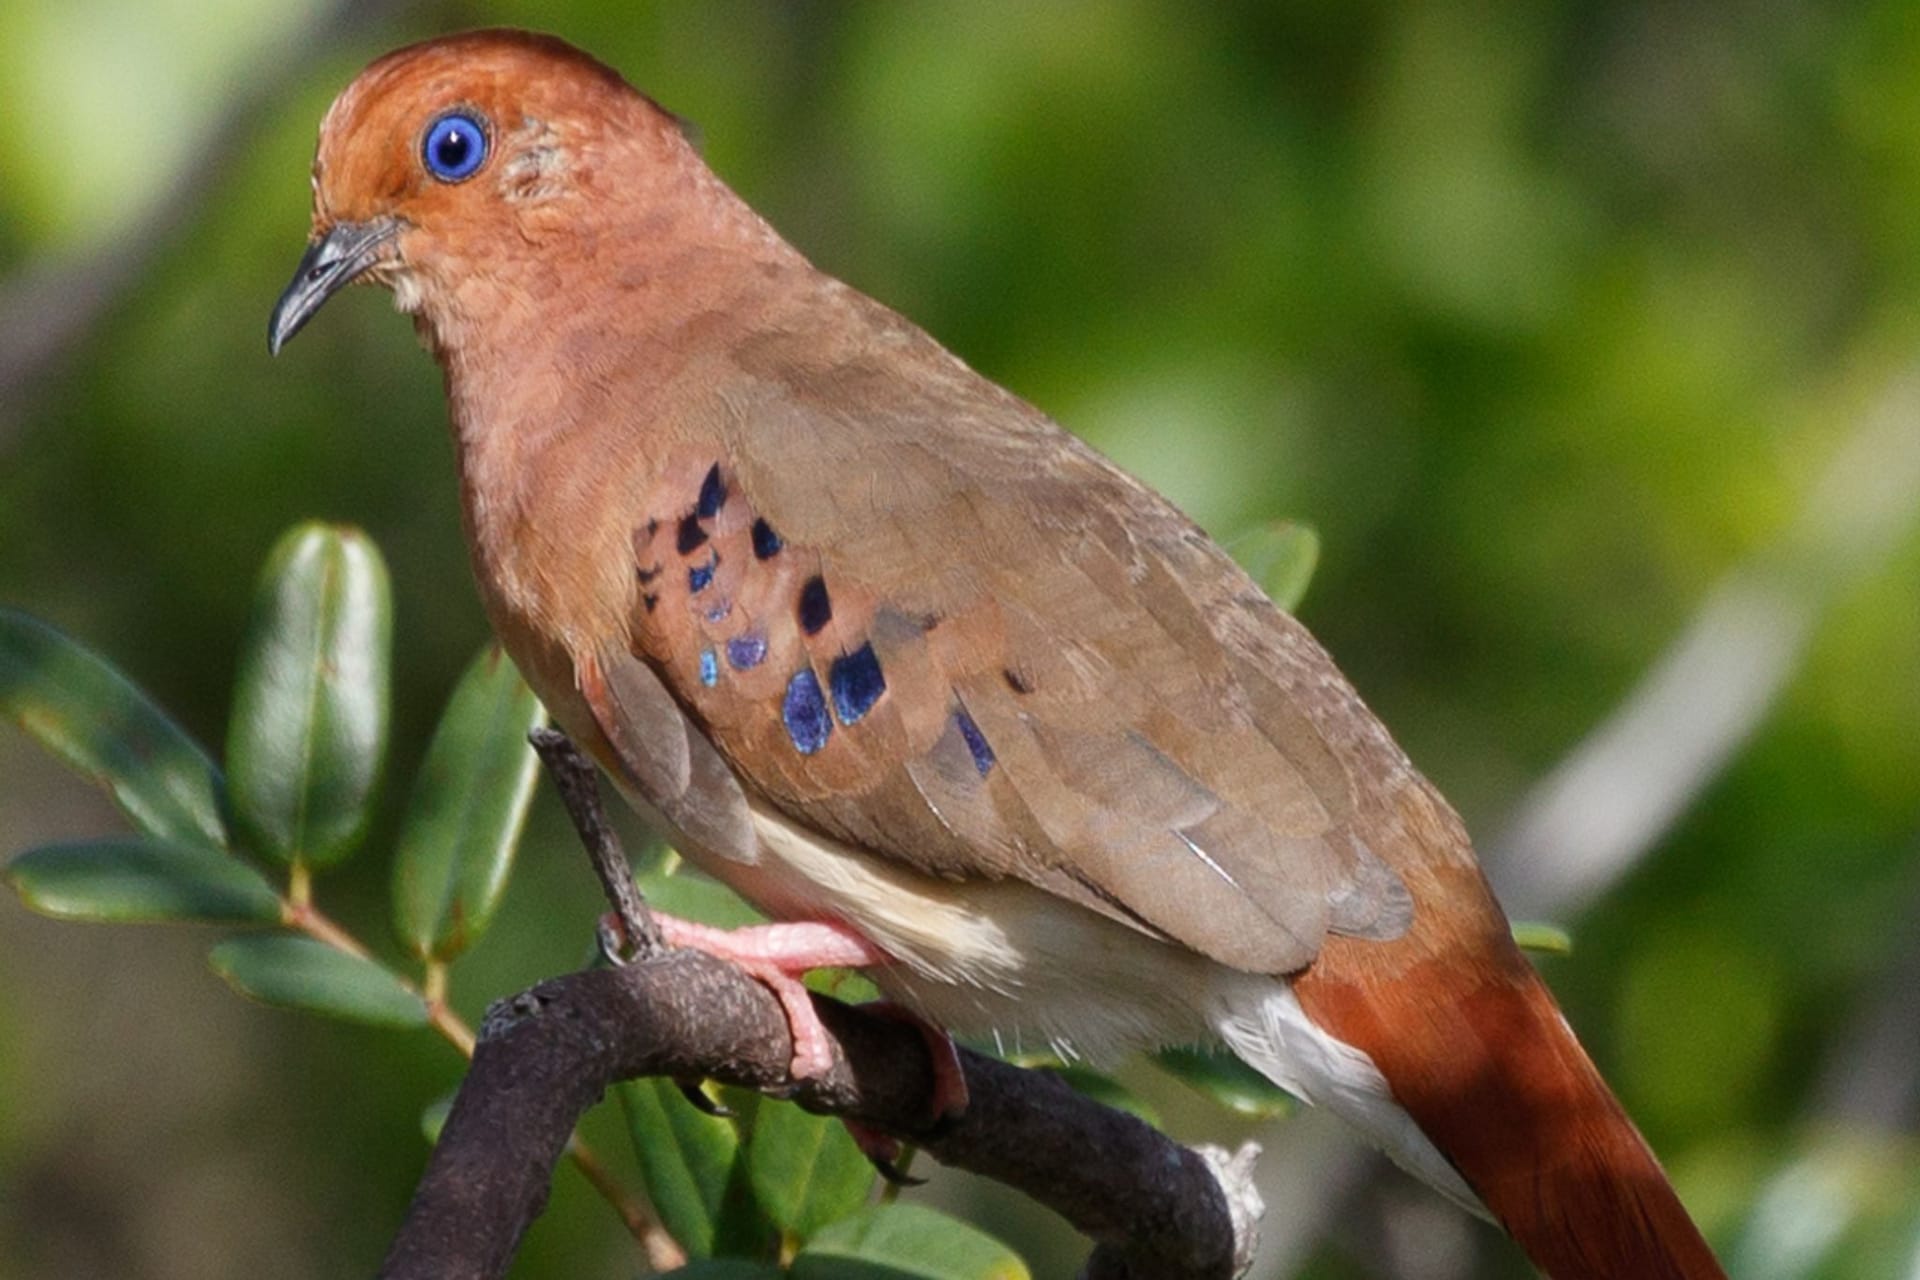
81	708
309	727
1281	557
694	1170
906	1242
1108	1092
1549	939
689	894
806	1170
133	878
849	986
1031	1057
433	1118
467	811
1227	1081
726	1269
301	973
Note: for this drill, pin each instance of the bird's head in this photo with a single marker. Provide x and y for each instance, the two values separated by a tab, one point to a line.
462	162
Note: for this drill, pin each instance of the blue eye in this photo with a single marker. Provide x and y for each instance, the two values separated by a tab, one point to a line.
455	147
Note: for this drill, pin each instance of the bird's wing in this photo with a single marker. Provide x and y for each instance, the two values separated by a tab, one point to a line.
921	619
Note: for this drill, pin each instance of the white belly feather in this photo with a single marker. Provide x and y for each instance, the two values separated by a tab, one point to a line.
1010	960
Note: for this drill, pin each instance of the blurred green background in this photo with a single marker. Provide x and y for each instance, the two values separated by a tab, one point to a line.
1553	318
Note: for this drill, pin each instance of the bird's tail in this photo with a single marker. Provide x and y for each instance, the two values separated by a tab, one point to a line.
1478	1055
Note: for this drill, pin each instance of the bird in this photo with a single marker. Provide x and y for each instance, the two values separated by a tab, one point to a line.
926	679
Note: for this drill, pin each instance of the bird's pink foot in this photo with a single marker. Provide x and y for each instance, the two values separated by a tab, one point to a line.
776	955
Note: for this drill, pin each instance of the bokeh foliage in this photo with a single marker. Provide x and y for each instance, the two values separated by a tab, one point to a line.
1546	316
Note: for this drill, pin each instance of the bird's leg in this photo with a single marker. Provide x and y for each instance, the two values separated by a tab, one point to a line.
777	954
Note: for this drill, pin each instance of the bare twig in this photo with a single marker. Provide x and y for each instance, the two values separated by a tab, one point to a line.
579	786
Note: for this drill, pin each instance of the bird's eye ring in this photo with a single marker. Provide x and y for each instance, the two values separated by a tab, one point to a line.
455	146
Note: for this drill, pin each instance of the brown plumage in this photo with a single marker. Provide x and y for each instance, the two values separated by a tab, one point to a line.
883	647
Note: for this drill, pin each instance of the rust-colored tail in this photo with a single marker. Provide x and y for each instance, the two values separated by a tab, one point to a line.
1476	1050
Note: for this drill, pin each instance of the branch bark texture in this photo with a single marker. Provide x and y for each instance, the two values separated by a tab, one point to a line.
1155	1207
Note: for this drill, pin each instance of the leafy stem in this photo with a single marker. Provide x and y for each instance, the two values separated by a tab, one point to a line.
307	918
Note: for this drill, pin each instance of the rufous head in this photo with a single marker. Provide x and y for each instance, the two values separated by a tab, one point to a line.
465	157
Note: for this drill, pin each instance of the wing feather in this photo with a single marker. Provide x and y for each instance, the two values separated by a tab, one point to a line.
983	652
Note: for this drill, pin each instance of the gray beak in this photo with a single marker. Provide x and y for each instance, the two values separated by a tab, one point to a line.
334	260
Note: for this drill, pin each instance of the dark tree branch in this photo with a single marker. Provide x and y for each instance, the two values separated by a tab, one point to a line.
1156	1208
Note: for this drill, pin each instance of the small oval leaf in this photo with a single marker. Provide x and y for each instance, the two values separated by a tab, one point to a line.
848	986
726	1269
906	1242
694	1170
693	895
433	1118
1227	1081
1537	935
1281	557
806	1170
302	973
1108	1092
468	808
309	728
132	878
79	706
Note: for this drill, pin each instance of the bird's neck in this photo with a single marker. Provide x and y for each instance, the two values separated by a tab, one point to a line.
569	382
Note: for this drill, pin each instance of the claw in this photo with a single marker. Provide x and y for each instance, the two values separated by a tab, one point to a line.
883	1152
894	1174
613	940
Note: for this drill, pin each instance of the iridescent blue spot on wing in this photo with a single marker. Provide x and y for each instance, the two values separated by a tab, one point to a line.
713	494
816	609
805	712
747	651
857	683
709	668
766	543
700	577
690	536
976	742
